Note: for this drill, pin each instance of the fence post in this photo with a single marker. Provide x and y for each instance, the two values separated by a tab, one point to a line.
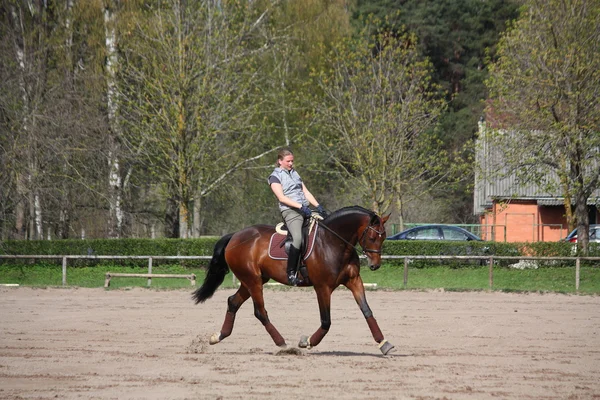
64	271
405	272
577	274
491	278
149	270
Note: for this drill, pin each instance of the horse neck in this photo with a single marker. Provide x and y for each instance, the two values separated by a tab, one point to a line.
348	226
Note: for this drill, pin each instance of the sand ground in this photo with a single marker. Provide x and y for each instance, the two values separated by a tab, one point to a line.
145	344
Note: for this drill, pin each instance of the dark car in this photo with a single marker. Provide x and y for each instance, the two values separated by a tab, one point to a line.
593	238
435	232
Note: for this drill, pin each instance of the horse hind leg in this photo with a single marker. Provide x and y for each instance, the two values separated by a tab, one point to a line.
261	314
234	302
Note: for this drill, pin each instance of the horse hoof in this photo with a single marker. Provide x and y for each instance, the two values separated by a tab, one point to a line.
215	338
304	342
386	347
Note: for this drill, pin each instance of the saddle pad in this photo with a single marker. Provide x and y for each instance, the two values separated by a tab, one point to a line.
277	248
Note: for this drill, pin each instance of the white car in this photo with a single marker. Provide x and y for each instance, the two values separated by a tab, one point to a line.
594	234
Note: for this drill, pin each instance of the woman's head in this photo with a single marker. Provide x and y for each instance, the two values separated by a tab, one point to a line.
285	159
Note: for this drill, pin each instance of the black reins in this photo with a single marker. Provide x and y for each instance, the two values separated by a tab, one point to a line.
364	250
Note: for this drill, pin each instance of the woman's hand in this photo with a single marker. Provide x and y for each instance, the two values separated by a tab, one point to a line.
304	210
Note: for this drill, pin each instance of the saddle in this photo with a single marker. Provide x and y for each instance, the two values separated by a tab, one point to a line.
281	240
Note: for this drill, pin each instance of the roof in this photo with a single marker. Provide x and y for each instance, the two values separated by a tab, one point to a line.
504	185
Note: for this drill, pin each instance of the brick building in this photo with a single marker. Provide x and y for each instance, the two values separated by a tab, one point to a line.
511	212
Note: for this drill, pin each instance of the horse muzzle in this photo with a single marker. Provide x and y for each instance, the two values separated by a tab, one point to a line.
374	267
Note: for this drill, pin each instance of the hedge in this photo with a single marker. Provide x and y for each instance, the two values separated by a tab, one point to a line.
114	247
204	246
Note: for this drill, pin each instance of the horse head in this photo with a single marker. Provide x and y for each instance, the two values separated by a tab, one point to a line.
371	240
357	225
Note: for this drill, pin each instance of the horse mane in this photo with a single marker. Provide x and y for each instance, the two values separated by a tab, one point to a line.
350	210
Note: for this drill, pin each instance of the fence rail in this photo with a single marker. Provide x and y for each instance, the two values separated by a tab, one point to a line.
66	258
406	258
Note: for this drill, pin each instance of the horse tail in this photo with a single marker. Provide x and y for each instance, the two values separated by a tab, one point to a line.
217	269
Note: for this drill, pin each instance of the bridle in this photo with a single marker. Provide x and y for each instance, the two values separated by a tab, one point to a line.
361	239
370	228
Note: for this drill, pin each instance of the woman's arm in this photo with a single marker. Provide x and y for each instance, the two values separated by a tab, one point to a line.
311	199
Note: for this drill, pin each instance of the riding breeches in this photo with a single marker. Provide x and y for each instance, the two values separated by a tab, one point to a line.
294	221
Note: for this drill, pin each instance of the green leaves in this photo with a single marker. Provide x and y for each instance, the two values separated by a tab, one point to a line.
544	94
378	104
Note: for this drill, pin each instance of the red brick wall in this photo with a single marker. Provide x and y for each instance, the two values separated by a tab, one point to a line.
524	221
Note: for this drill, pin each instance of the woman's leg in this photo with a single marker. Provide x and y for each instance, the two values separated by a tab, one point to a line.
293	220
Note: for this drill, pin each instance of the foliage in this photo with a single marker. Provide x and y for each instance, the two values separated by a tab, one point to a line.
459	38
204	92
113	247
544	109
374	108
190	88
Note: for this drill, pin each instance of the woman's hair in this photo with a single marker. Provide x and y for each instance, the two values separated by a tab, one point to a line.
283	153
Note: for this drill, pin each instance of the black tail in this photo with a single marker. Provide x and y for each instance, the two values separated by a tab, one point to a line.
217	269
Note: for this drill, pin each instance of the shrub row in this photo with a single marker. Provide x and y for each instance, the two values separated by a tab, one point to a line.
114	247
537	249
204	246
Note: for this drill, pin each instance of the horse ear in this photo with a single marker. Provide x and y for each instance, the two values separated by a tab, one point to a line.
385	218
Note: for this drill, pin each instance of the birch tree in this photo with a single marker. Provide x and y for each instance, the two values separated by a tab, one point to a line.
115	188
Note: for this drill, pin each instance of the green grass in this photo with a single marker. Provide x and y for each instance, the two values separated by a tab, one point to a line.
389	276
546	279
49	274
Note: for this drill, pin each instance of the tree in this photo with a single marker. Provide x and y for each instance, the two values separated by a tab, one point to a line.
190	85
544	90
374	109
457	36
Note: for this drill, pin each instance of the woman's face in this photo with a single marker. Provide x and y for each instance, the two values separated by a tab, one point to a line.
287	163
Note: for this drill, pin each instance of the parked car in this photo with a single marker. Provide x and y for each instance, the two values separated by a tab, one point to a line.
594	234
435	232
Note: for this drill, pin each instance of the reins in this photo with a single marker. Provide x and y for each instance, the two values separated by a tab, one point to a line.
364	250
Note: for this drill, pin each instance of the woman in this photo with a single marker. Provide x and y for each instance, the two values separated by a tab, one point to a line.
294	199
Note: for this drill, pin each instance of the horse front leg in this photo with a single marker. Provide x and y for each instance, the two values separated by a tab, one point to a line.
357	288
324	299
234	302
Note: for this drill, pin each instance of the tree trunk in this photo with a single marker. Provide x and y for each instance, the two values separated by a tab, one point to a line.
20	231
115	188
399	206
583	223
184	218
171	218
197	222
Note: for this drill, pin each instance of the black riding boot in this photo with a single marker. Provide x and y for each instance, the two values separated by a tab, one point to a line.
292	266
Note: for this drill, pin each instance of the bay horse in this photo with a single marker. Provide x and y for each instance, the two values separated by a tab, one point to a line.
334	261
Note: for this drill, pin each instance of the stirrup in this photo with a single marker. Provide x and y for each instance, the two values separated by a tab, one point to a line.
293	280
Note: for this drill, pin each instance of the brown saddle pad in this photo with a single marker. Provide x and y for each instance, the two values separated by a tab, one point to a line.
277	247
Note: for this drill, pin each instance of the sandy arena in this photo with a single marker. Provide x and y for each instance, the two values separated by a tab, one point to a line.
146	344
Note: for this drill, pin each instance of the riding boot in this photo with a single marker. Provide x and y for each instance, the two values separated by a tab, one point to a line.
292	266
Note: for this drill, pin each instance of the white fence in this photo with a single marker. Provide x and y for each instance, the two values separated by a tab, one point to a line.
490	261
